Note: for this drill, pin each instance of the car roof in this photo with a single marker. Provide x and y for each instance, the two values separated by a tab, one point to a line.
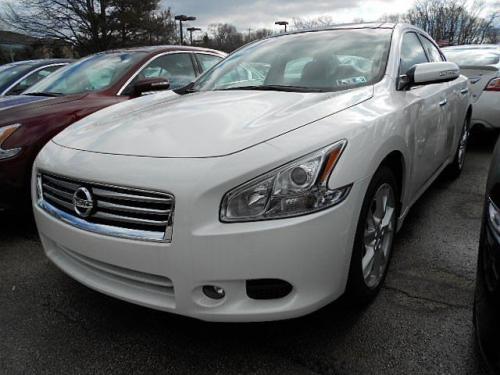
344	26
39	62
164	48
473	46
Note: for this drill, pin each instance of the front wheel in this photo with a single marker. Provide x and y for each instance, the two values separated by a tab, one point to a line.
455	168
374	237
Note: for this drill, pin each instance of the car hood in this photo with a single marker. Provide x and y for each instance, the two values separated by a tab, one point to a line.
204	124
15	100
36	108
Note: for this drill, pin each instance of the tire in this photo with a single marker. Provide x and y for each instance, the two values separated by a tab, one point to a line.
454	170
363	286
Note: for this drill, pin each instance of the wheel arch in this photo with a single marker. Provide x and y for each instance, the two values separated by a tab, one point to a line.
395	161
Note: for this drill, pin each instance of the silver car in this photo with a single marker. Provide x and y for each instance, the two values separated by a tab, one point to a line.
263	195
481	64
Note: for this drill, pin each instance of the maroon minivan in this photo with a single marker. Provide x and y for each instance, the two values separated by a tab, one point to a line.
78	90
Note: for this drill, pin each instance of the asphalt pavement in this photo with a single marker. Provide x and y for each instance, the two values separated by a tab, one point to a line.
421	323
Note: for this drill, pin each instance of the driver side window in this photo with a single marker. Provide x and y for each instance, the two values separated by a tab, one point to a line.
412	52
177	68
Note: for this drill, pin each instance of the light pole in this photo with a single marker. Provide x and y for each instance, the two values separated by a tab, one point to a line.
282	23
191	30
183	18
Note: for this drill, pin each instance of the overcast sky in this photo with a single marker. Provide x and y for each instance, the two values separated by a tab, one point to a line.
262	13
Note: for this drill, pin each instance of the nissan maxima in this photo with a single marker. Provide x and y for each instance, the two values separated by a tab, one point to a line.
269	187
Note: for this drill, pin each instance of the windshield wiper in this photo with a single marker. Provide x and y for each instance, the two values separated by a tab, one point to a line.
49	94
275	88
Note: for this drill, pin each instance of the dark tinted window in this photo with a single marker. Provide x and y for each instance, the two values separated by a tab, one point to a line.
11	72
412	52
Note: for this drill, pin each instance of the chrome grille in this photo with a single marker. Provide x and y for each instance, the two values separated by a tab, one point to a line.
111	210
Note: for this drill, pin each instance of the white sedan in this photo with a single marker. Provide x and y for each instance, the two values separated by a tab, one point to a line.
481	64
263	196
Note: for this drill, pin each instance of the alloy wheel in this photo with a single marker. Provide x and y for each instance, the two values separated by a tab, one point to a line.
378	235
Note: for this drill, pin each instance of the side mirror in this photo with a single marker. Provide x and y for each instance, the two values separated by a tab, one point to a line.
428	73
150	85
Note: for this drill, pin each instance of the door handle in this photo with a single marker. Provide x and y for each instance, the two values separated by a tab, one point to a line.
464	91
443	102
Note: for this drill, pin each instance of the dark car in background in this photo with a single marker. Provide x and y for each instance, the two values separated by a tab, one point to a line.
19	76
80	89
487	296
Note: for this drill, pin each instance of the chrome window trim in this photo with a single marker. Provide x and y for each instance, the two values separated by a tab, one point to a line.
147	63
29	74
106	230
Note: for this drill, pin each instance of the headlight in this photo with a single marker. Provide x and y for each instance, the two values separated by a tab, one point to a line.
5	133
494	216
297	188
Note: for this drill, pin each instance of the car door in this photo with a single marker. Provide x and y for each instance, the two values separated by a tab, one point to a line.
452	113
177	67
424	112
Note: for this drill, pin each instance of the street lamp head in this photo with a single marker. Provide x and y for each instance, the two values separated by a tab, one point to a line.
183	18
281	23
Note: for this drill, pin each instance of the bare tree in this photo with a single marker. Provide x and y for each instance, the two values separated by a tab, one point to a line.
299	23
452	21
89	25
391	18
225	37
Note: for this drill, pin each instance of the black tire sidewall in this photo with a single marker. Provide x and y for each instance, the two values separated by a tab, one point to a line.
454	169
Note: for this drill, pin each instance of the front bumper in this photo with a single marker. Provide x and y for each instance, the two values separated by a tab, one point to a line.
486	111
311	252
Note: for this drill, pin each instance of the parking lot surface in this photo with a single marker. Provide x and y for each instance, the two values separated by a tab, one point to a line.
420	323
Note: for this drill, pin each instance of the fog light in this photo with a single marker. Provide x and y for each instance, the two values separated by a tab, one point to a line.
214	292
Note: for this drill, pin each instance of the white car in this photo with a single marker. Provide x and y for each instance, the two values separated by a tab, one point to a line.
263	199
481	64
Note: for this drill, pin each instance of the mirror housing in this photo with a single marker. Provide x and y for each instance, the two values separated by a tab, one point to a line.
429	73
150	85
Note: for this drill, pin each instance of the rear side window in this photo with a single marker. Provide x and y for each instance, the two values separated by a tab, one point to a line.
412	52
207	61
431	50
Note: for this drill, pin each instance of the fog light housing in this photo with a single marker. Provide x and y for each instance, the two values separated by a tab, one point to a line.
266	289
214	292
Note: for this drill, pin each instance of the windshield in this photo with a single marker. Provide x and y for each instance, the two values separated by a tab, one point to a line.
329	60
473	57
95	73
11	72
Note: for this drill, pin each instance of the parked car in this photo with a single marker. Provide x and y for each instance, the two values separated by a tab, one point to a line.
78	90
263	196
481	63
487	296
19	76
